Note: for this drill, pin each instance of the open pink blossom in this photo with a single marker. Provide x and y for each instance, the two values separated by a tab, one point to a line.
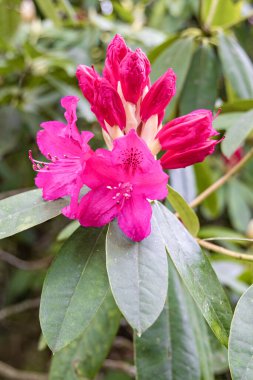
67	151
122	182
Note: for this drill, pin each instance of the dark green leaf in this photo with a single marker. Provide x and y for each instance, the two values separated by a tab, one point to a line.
186	213
25	210
75	287
86	354
138	275
241	339
236	65
178	56
237	133
200	87
167	350
196	272
202	339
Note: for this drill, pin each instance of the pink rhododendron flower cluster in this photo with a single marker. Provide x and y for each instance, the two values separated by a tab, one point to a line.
124	178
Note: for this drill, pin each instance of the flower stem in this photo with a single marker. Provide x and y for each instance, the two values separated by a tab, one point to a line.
221	181
224	251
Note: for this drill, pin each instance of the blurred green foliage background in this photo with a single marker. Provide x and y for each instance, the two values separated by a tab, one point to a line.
208	44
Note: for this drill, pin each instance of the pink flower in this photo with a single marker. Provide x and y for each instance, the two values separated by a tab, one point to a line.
134	75
116	51
158	97
67	151
187	139
121	182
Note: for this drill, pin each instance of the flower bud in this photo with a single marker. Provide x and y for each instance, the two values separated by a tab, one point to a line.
107	105
189	130
159	96
173	159
116	51
86	77
134	75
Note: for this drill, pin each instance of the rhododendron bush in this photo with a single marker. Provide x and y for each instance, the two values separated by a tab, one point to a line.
133	255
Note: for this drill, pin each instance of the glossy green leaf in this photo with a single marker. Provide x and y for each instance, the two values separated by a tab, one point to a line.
26	210
138	275
75	287
237	66
186	213
196	272
202	339
86	354
167	350
241	339
204	179
178	56
200	87
237	133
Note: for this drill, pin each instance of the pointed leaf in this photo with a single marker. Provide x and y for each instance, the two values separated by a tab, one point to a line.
237	66
75	287
138	275
241	339
86	354
186	213
196	272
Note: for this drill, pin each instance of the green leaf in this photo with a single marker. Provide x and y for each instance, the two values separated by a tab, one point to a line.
238	209
75	287
200	87
225	121
186	213
237	66
219	354
86	354
178	56
204	179
26	210
167	350
241	339
202	339
196	272
154	53
237	133
138	275
240	105
221	12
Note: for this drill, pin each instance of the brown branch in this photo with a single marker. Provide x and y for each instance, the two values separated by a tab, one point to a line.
216	185
19	308
25	265
120	365
9	372
224	251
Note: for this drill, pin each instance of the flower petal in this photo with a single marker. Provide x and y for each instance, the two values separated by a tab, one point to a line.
176	160
97	208
134	75
116	51
134	218
159	96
